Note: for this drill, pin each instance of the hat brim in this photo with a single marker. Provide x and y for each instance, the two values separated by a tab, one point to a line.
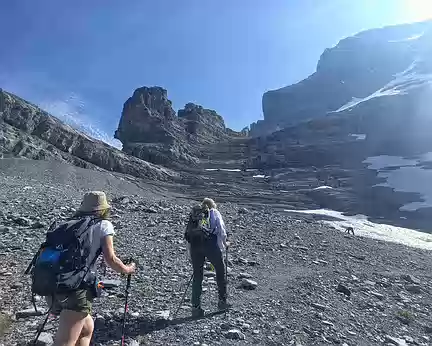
96	208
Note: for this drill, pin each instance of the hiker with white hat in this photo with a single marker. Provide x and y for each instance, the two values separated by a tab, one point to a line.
71	297
206	238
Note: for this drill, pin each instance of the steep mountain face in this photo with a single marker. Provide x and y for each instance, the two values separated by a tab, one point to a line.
27	131
359	67
149	129
392	81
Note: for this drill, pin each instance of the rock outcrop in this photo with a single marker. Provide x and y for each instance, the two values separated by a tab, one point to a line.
358	67
149	129
369	96
27	131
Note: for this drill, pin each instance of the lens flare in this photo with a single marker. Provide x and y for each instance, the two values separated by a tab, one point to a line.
418	10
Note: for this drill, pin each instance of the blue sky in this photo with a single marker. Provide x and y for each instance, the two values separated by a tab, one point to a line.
82	59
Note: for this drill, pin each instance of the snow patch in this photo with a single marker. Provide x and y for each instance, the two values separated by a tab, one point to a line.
358	136
411	38
402	82
261	176
323	188
369	229
223	169
407	175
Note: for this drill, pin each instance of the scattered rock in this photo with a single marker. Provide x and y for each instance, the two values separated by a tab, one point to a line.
235	334
343	289
45	339
319	306
243	211
410	278
248	284
413	289
377	295
395	341
163	315
29	313
23	221
244	276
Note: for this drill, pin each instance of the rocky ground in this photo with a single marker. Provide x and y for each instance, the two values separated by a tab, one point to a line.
314	285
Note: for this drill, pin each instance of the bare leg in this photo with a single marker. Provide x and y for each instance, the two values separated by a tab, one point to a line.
70	328
87	332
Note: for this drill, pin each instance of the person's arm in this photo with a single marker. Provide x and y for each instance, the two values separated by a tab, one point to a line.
112	260
220	225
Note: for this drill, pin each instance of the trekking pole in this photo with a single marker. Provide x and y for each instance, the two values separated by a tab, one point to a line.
226	272
226	265
126	308
44	323
183	297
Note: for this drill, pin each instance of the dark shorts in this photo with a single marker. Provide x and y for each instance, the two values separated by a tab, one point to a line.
79	301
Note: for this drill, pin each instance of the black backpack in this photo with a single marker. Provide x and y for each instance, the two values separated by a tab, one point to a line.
198	227
63	261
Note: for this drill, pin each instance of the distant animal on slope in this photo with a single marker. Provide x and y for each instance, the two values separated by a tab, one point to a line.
349	230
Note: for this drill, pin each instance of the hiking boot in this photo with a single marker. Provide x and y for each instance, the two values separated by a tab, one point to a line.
197	312
223	305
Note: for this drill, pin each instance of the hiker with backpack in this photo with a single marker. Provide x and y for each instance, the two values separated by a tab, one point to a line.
207	238
64	269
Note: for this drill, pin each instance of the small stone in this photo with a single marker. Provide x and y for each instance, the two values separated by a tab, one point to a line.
319	306
411	279
255	331
225	326
408	339
235	334
107	284
149	210
38	224
377	295
395	341
133	343
22	221
248	284
413	288
428	328
163	315
4	229
17	285
243	211
327	323
343	289
45	339
28	313
244	276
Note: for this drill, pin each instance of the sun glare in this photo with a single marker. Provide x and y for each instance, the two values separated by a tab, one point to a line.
418	10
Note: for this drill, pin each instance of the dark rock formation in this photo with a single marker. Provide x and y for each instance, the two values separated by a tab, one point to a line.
357	67
150	130
27	131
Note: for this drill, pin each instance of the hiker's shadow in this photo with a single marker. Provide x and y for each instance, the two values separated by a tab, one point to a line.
140	326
